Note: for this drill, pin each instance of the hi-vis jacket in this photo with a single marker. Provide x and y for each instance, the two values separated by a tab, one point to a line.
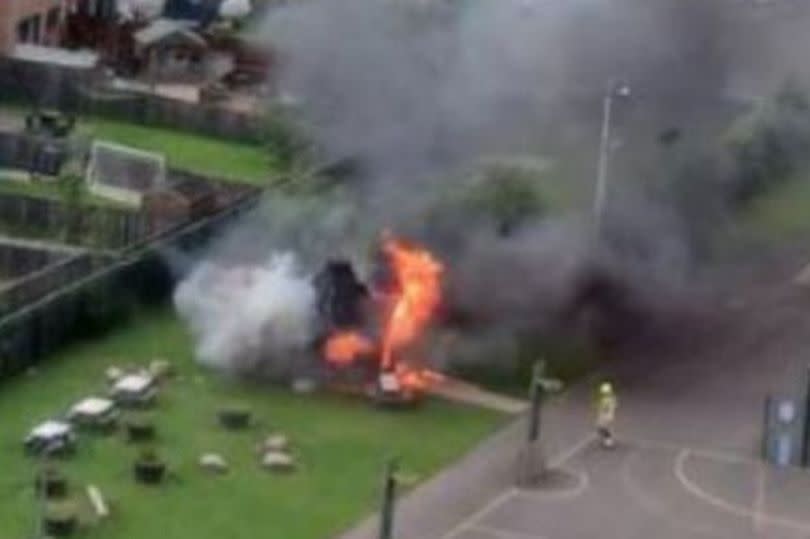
606	410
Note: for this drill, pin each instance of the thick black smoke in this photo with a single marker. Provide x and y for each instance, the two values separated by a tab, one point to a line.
420	91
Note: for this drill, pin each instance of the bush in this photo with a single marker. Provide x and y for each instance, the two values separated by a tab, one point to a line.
284	139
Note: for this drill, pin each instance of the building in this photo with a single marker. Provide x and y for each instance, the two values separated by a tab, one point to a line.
92	24
32	22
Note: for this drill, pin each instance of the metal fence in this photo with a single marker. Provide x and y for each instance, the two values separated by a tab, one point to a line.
40	283
97	226
103	296
80	91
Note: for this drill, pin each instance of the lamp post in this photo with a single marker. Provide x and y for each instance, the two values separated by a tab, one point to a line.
805	456
615	89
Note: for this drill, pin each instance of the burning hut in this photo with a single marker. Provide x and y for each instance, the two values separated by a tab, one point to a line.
403	307
330	329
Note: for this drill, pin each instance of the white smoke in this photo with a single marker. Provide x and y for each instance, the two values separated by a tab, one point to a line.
235	9
147	9
248	317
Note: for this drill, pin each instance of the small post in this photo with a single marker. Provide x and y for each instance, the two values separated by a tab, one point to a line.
805	460
536	394
389	499
531	462
766	419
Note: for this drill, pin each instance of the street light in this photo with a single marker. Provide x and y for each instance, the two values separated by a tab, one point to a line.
615	89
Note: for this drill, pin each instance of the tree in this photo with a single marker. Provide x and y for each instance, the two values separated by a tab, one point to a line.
507	194
772	143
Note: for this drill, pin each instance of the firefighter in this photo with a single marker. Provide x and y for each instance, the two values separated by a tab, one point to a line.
606	414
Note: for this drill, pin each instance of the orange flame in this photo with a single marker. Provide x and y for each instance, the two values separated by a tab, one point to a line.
417	379
418	280
345	347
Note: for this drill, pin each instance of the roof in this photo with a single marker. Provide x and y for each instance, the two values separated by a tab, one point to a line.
202	12
162	29
81	59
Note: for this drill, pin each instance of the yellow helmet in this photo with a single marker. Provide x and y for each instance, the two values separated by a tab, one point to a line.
606	388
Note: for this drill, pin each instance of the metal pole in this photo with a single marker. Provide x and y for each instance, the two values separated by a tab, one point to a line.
536	396
766	420
806	429
389	499
600	197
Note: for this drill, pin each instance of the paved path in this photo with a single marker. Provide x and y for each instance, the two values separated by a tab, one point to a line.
690	429
463	392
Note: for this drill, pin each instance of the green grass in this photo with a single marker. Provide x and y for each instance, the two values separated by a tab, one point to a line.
783	213
49	190
341	444
219	158
225	159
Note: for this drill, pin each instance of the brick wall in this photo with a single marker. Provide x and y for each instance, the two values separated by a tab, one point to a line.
14	11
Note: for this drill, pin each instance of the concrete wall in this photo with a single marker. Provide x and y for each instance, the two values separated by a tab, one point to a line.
14	11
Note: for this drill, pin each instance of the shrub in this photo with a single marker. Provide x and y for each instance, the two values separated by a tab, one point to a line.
284	139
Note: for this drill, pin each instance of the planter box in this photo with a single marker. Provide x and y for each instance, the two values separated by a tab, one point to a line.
52	486
140	432
60	526
149	473
234	419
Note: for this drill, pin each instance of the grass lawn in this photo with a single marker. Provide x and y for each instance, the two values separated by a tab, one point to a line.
50	190
239	162
341	444
783	213
205	155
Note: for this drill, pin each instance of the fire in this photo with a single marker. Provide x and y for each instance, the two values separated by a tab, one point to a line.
417	379
406	310
345	347
417	295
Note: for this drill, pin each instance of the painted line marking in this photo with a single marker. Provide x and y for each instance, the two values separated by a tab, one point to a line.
759	501
468	522
504	534
723	505
722	456
508	494
583	482
654	506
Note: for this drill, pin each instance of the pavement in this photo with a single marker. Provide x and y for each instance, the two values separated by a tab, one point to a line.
687	463
459	391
